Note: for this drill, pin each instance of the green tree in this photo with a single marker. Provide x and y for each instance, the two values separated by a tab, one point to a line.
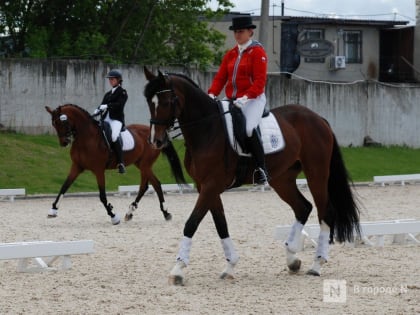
120	31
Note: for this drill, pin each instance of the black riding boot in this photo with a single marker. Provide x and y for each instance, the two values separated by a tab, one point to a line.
257	151
117	147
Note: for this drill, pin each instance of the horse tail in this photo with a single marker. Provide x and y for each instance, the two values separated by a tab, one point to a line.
342	204
173	159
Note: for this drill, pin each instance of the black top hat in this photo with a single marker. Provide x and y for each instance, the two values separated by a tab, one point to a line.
241	22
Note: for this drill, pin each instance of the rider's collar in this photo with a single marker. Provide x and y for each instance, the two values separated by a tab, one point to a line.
114	88
244	46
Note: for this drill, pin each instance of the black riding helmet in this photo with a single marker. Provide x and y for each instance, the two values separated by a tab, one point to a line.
114	73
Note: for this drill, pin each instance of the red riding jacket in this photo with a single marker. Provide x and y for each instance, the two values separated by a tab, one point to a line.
243	74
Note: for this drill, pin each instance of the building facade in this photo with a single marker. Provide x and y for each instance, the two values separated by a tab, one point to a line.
329	49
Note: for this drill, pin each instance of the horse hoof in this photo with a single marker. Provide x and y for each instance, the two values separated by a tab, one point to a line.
295	265
128	217
51	216
312	272
176	280
115	220
226	276
168	217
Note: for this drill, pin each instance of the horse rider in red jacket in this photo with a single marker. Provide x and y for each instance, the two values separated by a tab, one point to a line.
243	73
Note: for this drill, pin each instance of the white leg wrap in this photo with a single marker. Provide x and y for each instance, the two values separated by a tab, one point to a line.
177	269
294	241
316	266
52	212
230	253
290	257
164	206
184	250
115	220
229	272
323	242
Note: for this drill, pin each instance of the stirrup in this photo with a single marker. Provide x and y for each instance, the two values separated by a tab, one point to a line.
260	177
121	168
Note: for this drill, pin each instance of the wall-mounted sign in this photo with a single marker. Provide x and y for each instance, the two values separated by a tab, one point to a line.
315	48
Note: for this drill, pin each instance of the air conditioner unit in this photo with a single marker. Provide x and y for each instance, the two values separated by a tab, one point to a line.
337	62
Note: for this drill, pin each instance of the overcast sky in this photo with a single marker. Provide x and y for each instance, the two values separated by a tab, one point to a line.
361	9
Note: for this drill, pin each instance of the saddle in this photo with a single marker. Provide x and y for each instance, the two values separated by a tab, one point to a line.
125	137
235	127
271	135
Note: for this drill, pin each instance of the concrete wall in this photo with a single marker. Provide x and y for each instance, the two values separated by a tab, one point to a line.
26	86
389	114
416	54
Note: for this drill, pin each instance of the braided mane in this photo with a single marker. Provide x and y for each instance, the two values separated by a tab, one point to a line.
79	108
154	85
186	78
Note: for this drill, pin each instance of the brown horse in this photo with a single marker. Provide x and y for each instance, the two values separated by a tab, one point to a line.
310	146
89	151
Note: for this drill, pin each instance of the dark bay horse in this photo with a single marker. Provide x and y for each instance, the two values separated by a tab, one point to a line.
310	146
89	152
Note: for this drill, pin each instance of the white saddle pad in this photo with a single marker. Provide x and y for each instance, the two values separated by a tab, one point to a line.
271	135
127	140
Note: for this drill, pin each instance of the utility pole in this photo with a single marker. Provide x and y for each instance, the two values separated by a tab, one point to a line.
263	35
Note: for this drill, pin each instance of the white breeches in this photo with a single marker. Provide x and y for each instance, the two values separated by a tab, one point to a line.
116	126
253	110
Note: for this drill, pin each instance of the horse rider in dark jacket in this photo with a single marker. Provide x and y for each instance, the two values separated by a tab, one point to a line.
113	103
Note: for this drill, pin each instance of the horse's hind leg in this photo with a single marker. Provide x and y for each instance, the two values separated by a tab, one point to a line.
100	178
320	194
289	192
134	205
146	177
158	188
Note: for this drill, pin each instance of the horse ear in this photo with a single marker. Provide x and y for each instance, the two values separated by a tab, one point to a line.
149	75
161	77
49	109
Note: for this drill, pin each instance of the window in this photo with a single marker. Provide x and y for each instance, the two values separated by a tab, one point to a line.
314	34
352	42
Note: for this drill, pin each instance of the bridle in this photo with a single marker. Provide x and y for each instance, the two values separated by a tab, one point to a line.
68	131
173	103
169	123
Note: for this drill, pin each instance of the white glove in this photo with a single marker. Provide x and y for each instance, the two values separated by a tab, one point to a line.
212	96
239	102
96	112
103	107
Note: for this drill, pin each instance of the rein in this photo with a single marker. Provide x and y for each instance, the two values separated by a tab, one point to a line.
171	122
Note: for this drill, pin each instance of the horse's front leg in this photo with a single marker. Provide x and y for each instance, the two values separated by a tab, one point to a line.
176	276
220	222
100	178
74	172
